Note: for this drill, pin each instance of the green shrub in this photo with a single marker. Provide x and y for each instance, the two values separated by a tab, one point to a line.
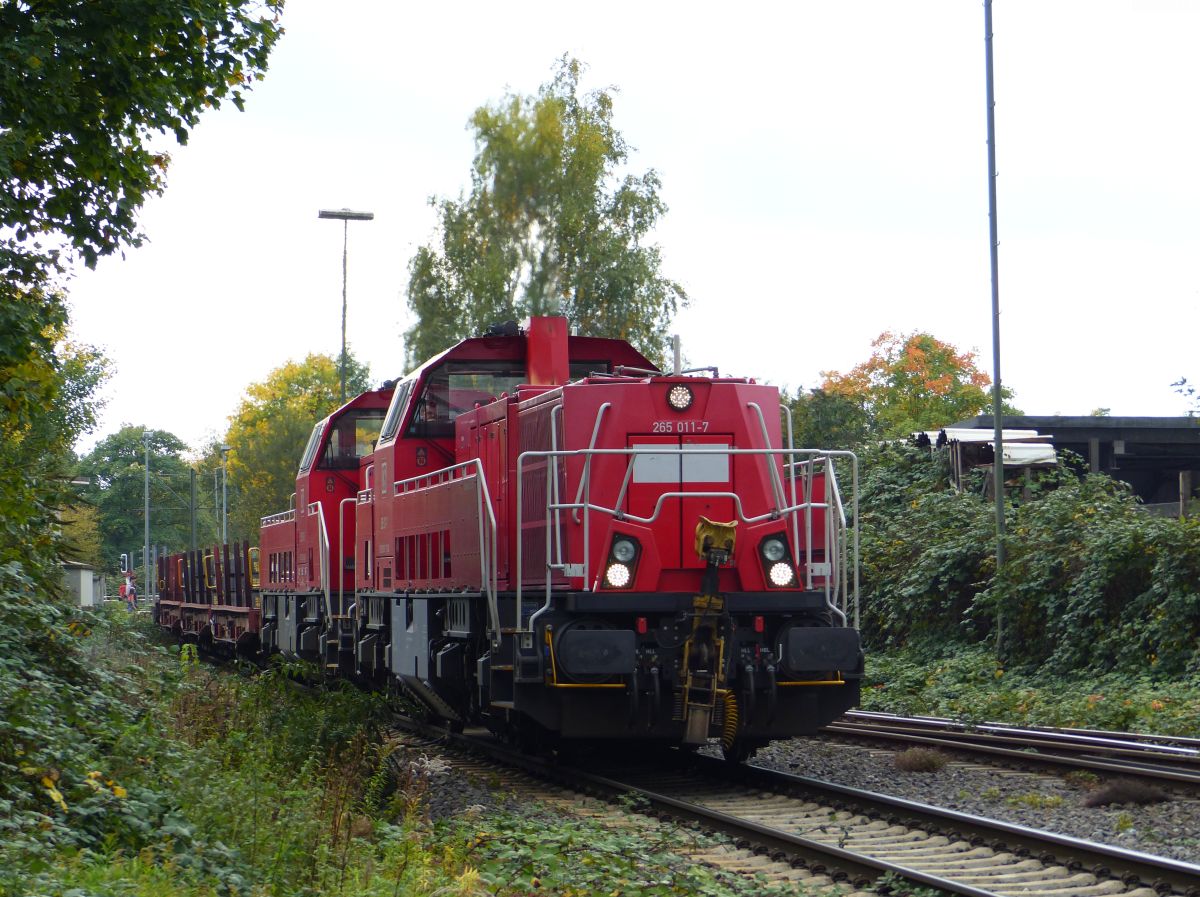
1090	583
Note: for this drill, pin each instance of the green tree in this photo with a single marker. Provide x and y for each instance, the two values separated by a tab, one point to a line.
547	228
268	432
116	468
823	419
46	384
81	534
84	87
914	382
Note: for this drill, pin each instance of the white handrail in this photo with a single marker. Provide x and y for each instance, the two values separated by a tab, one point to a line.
776	483
281	517
832	507
324	556
341	566
587	464
827	456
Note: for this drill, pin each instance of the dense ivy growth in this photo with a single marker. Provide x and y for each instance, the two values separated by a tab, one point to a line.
1091	582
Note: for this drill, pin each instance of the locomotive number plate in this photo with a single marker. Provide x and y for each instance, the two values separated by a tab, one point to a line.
679	426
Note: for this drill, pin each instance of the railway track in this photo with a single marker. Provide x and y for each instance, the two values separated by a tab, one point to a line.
843	834
1116	754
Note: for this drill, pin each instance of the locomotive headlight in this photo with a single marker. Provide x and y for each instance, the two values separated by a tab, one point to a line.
617	575
774	550
679	397
622	562
623	550
782	574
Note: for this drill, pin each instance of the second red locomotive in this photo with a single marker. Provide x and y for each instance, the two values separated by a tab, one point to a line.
545	534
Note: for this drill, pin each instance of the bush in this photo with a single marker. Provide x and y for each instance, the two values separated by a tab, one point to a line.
1090	583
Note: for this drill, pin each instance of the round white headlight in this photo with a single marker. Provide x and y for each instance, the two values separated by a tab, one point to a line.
623	550
781	574
774	550
679	397
617	576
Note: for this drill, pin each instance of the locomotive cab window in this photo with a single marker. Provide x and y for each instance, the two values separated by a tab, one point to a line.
310	450
458	386
396	410
352	436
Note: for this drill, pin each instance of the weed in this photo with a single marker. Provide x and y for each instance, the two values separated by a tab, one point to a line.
992	793
633	802
1124	823
1083	779
541	852
893	883
1035	801
920	760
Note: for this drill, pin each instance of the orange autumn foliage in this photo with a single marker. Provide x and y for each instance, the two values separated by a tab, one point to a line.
913	382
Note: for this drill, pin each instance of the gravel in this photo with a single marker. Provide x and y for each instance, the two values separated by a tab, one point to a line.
1036	800
424	779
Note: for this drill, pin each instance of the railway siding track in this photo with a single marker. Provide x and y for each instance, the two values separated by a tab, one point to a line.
1167	761
856	836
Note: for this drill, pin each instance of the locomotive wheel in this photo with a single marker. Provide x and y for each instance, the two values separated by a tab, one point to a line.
740	751
528	737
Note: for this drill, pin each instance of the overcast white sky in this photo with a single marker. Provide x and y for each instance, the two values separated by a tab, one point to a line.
824	163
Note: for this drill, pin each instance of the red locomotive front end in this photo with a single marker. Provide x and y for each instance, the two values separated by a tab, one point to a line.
678	573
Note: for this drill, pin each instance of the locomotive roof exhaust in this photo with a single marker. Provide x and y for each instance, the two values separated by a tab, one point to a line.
546	357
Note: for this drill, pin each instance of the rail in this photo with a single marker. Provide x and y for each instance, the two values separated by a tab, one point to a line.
282	517
847	548
341	564
315	508
486	515
836	529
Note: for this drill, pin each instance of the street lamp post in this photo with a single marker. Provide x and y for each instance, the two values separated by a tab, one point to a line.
345	216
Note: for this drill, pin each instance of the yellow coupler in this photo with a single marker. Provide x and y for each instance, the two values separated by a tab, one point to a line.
704	651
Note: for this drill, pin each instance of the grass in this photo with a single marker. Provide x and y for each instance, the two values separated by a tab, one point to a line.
970	685
222	784
1034	800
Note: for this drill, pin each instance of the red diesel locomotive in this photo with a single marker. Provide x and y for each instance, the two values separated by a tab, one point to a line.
545	534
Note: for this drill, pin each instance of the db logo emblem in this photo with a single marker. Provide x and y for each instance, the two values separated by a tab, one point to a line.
422	456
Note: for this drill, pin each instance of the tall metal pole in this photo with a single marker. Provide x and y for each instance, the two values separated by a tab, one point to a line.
146	544
997	418
342	364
